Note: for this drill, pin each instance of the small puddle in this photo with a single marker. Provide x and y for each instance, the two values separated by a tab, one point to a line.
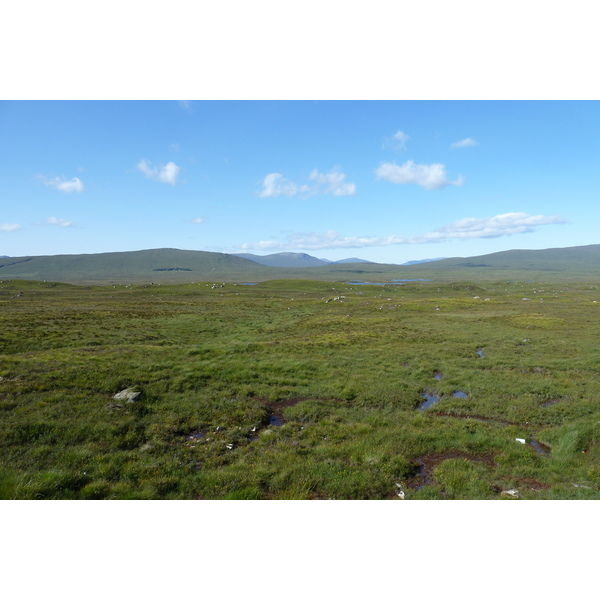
541	449
423	475
430	399
195	435
437	375
276	420
480	353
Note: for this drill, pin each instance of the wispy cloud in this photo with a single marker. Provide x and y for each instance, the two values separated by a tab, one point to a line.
186	105
10	226
59	222
165	173
334	183
62	184
466	143
397	141
463	229
198	220
430	177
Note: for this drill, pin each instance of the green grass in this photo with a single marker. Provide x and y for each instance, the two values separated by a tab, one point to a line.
347	375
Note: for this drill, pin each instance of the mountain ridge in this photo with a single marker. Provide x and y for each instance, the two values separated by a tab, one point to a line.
171	265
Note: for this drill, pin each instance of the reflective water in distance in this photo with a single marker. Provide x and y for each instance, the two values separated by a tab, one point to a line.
393	282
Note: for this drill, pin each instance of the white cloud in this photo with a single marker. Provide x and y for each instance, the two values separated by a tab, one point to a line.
198	220
430	177
500	225
10	226
466	143
64	185
275	184
334	182
186	105
165	173
59	222
397	141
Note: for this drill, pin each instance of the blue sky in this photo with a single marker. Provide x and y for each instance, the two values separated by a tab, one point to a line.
388	181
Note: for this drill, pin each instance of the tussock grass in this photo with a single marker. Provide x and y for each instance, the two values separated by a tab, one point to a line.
346	375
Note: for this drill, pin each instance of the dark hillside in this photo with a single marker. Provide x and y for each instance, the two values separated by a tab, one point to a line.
169	265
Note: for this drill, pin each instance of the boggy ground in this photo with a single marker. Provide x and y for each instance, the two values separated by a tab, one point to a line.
299	390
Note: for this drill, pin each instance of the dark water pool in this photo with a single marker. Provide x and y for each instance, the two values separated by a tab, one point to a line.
276	421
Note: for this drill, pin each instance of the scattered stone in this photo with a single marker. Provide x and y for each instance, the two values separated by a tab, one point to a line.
128	394
520	440
146	447
230	446
510	493
400	491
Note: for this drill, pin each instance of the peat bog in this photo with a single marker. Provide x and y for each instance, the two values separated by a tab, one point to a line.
300	390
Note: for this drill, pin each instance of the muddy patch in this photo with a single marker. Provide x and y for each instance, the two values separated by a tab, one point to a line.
427	464
275	410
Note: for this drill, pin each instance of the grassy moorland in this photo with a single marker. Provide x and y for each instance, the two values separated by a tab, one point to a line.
300	390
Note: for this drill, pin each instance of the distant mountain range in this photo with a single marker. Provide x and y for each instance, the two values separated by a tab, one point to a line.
418	262
169	265
296	260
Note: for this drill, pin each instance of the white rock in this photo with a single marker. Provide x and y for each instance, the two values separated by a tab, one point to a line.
128	394
520	440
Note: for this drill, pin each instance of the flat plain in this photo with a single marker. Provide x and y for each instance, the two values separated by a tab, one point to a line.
299	389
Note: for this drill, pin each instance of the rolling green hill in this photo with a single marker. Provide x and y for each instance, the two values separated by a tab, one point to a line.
168	265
